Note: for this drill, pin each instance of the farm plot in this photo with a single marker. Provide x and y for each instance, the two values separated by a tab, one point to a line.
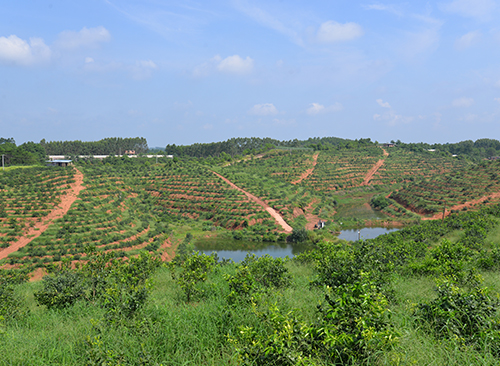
455	188
191	191
27	196
274	184
402	166
338	170
286	166
130	208
107	215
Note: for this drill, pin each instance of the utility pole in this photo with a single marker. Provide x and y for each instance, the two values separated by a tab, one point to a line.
3	167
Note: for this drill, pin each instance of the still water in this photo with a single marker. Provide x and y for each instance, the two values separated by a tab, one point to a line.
238	249
364	233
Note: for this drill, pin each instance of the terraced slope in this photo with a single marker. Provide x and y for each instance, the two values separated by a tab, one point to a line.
133	207
403	166
337	170
453	189
27	196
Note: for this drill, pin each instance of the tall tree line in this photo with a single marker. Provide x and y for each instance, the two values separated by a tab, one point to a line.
245	145
107	146
28	153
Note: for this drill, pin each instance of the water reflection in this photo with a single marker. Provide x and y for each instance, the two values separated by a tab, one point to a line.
364	233
238	249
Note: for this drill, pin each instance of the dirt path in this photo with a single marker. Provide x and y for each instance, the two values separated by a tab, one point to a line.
308	172
244	159
374	169
268	208
447	212
58	212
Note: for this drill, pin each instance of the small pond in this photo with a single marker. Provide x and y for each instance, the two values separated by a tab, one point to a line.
238	249
364	233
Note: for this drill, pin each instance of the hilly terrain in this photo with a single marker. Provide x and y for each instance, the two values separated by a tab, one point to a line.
114	278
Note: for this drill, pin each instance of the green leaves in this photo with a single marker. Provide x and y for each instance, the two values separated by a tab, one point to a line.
193	270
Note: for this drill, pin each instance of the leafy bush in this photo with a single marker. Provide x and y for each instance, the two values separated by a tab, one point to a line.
61	290
379	202
459	313
193	270
299	235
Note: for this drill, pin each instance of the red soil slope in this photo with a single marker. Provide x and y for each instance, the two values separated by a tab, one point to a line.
374	169
266	207
308	172
58	212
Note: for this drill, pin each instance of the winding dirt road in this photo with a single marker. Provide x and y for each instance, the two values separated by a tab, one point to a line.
439	216
374	169
308	172
58	212
268	208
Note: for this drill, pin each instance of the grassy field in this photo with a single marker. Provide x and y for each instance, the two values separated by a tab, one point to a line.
427	294
268	312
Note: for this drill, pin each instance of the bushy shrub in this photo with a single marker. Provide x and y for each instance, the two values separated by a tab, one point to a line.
459	313
61	290
193	270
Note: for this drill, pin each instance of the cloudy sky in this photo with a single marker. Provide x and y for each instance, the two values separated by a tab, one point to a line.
186	71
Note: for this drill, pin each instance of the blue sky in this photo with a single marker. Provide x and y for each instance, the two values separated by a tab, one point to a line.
185	71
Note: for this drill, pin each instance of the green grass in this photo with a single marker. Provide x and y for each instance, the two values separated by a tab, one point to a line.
9	168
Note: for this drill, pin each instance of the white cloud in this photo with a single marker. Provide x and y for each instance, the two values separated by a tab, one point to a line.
392	118
89	60
268	20
424	41
266	109
478	9
316	108
87	37
331	31
469	117
383	104
284	122
235	65
208	126
497	99
388	8
17	51
467	40
462	102
142	69
230	65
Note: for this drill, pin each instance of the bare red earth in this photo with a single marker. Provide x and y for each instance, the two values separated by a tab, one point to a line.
58	212
308	172
461	206
374	169
266	207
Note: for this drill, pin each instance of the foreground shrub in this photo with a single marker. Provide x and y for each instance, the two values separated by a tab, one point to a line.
60	290
10	304
193	270
352	327
458	313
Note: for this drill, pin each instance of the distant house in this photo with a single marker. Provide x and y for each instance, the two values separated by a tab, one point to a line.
320	225
494	158
388	144
431	150
59	162
129	152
